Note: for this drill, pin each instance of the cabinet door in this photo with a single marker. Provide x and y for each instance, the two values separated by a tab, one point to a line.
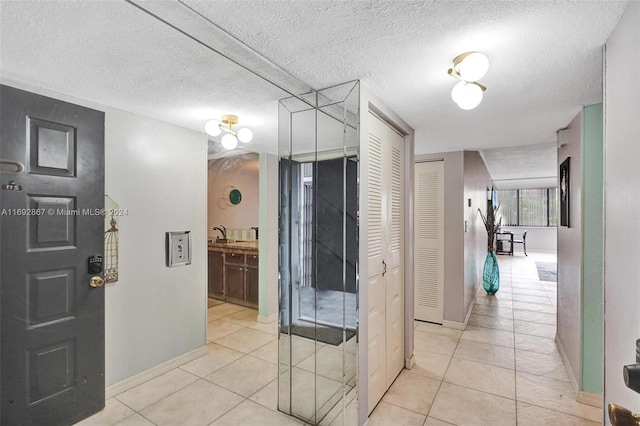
251	295
234	276
216	265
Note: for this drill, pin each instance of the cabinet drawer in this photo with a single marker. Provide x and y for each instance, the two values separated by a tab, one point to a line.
234	258
252	260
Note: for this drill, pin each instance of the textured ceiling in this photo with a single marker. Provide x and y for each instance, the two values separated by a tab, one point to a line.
545	61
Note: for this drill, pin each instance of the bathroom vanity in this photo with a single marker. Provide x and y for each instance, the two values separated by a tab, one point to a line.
233	272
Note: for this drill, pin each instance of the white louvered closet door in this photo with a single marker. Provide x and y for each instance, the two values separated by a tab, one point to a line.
385	203
429	242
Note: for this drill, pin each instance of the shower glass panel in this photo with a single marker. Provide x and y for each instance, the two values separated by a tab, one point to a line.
318	258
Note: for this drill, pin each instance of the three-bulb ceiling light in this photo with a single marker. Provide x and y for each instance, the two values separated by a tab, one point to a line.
469	67
230	140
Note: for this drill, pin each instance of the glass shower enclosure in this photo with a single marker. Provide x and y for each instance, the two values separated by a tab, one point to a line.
318	255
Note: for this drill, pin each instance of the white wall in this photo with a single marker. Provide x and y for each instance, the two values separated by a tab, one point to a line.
158	172
570	250
242	172
476	182
622	204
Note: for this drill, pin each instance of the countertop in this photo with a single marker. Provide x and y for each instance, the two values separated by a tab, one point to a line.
243	245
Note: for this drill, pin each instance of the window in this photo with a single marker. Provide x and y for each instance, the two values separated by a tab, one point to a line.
528	207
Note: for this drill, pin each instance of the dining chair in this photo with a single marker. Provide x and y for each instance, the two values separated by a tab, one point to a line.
523	241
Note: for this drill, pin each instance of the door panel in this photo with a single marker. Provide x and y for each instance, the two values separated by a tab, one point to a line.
385	253
52	321
429	242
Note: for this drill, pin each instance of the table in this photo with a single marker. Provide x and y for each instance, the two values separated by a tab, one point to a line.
502	238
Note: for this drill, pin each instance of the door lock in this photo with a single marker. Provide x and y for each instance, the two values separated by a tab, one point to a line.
96	281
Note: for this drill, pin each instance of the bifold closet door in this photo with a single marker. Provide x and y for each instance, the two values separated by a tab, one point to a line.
429	242
385	256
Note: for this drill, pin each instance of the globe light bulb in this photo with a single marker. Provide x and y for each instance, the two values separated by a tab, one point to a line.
473	67
229	141
212	127
245	135
467	95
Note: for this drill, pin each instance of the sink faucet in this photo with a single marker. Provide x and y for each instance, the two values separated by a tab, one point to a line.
222	230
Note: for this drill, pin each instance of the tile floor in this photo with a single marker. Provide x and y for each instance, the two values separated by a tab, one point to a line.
504	369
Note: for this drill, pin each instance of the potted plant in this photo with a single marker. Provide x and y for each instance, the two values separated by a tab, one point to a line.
491	273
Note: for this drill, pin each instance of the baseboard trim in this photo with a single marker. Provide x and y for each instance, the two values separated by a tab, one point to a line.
589	398
460	325
567	366
268	319
153	372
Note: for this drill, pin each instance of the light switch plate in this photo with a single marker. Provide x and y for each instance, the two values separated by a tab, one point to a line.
178	248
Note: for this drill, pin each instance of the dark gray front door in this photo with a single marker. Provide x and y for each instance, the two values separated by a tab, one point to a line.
52	320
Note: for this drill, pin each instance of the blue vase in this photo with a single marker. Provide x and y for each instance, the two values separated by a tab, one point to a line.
491	274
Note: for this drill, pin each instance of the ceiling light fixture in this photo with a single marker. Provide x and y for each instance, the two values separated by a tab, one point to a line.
469	67
231	138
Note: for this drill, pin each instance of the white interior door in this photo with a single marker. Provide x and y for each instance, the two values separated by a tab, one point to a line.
429	242
394	276
385	253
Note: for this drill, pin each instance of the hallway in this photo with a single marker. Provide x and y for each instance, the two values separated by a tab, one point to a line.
504	369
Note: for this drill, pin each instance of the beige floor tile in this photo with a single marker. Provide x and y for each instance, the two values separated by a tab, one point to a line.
271	328
200	403
135	420
250	413
487	321
245	376
438	329
214	302
487	335
540	317
331	363
535	307
482	377
541	292
114	412
268	352
223	310
492	311
462	406
246	340
554	395
541	365
502	301
156	389
541	345
530	415
413	392
486	353
435	343
388	414
244	318
218	357
435	422
531	298
305	398
267	396
535	329
431	365
301	348
217	329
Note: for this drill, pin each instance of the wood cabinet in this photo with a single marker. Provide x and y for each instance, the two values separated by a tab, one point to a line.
216	274
233	276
